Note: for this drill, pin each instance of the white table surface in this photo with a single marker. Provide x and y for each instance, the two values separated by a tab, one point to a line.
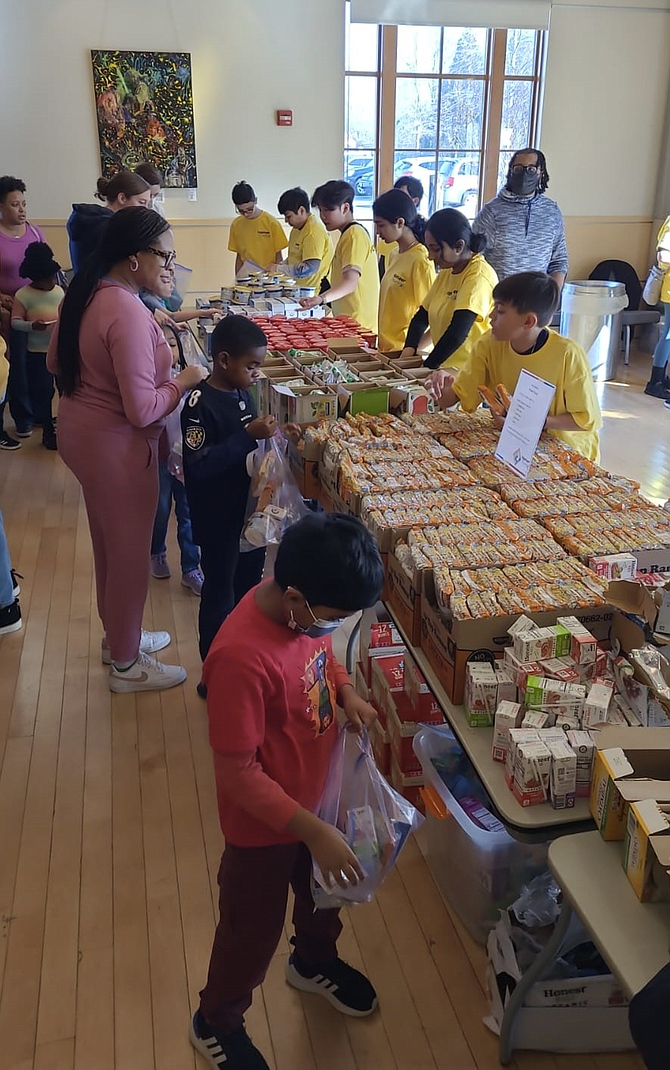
632	937
477	744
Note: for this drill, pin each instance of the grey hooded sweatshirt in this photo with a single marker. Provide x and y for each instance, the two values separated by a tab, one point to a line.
523	234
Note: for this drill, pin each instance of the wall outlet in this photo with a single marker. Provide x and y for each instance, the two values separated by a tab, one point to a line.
193	195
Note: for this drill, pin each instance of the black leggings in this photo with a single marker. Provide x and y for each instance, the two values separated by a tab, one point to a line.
228	576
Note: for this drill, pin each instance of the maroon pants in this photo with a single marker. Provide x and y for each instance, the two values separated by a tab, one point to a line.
253	892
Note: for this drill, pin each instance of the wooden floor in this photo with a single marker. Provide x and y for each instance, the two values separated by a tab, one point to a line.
109	839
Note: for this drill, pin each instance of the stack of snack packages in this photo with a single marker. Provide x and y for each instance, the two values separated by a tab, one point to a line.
553	687
398	690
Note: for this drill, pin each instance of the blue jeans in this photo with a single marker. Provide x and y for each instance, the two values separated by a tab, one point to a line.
6	584
662	351
18	394
170	487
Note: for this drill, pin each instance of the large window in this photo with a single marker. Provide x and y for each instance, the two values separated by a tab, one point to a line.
445	104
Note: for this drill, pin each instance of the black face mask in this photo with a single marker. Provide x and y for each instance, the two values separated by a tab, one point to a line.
523	184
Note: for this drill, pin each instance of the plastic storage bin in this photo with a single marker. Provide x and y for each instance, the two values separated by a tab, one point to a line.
480	868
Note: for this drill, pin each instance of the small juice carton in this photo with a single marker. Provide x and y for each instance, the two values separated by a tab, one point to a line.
560	668
563	640
517	736
506	685
584	749
614	566
532	771
596	706
520	670
481	692
535	719
508	715
563	780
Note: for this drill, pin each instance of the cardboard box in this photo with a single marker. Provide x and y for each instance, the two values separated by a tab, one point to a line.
631	764
363	397
381	639
305	472
508	715
405	601
409	786
585	750
381	747
301	405
563	779
401	735
646	854
427	709
614	566
447	661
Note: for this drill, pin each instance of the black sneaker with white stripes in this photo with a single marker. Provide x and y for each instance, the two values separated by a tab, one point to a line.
347	989
232	1052
16	576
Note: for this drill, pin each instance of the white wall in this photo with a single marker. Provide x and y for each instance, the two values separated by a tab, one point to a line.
249	58
604	108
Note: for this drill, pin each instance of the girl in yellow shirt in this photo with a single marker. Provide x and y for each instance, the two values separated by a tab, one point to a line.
457	308
409	273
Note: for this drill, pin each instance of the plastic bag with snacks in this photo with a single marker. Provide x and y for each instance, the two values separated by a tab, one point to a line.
373	818
275	502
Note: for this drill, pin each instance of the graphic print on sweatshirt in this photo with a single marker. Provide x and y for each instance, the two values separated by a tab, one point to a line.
321	697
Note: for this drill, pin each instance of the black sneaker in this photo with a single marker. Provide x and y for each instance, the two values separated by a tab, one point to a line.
657	390
10	618
347	989
202	689
8	443
16	576
24	432
232	1052
49	439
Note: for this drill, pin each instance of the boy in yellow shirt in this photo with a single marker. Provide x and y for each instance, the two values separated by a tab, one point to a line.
310	247
520	340
354	276
256	237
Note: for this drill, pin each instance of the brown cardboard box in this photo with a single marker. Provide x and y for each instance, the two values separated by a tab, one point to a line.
646	855
631	764
306	472
447	660
405	601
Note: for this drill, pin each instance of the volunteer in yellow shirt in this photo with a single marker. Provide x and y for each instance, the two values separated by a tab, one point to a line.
520	340
354	275
409	273
414	189
256	237
657	386
458	306
310	247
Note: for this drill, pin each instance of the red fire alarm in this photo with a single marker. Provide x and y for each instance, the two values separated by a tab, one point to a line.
284	118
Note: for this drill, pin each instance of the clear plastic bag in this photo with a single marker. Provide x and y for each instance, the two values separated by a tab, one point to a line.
373	818
275	502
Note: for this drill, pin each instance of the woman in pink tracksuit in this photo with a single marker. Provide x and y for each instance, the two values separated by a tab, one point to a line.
113	369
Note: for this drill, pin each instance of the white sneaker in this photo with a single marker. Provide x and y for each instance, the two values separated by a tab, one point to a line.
150	643
147	674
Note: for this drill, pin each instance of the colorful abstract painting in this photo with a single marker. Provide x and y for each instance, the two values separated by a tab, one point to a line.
144	104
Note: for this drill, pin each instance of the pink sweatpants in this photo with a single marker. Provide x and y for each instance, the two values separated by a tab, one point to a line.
118	473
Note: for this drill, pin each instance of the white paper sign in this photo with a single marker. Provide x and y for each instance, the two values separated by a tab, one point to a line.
524	423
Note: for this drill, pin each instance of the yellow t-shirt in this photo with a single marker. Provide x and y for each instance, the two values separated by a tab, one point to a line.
311	242
560	362
387	249
407	280
354	249
471	289
663	242
258	240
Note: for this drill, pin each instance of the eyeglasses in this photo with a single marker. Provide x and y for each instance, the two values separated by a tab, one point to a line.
530	169
167	256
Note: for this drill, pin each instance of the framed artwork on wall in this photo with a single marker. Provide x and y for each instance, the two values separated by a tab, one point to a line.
144	104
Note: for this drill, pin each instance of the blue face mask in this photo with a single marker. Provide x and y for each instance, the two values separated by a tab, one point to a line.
318	628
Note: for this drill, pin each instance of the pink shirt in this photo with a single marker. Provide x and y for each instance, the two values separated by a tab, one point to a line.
12	252
125	366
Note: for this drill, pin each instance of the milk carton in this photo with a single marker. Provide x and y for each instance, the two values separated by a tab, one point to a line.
507	716
535	719
596	705
563	779
532	771
506	685
584	749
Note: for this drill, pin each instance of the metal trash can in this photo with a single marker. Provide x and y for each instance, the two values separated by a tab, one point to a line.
591	315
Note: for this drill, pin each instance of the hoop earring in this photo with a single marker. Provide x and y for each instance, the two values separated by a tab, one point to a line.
134	266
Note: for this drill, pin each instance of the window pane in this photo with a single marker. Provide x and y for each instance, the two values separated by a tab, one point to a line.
520	57
457	184
462	113
418	49
503	164
361	45
516	115
416	113
421	166
360	106
464	51
360	172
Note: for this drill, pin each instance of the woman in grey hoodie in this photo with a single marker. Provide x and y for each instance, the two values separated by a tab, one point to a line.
523	227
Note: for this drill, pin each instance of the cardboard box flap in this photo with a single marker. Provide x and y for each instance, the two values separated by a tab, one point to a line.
651	818
644	789
631	597
632	739
617	763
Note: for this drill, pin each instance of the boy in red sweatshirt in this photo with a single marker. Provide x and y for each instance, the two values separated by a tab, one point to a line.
272	690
